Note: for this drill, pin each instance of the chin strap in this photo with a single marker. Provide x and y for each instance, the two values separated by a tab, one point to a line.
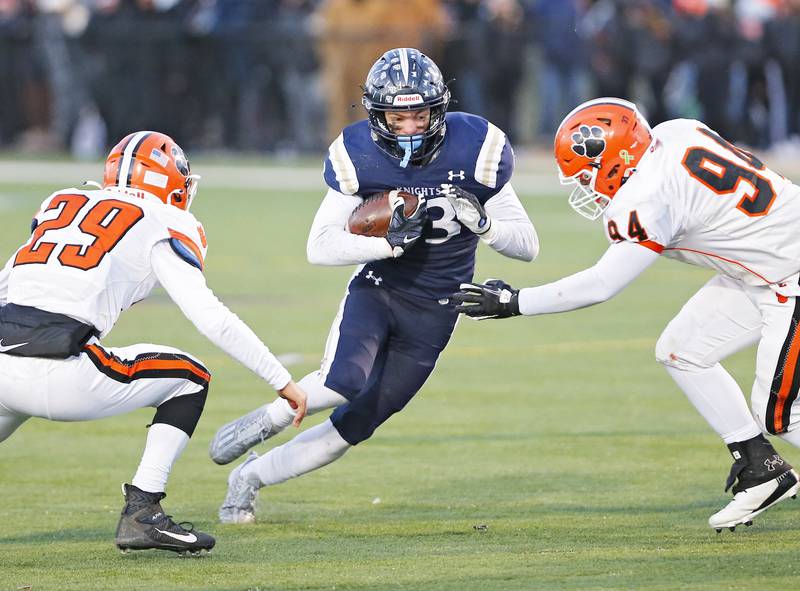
407	156
409	143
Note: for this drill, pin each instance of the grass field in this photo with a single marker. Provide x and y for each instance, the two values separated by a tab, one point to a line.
560	434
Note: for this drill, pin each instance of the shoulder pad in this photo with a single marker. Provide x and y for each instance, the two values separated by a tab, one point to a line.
185	248
340	172
495	161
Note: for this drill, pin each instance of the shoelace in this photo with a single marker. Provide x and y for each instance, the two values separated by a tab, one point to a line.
171	523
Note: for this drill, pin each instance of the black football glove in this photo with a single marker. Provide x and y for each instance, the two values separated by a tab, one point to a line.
482	301
469	210
404	231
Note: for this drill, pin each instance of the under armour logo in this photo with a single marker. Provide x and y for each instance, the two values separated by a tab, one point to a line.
451	174
377	280
770	464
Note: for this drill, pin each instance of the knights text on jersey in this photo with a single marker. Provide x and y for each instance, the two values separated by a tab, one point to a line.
699	199
88	256
475	155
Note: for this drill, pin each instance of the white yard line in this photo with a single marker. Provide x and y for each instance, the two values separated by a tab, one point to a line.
535	173
269	177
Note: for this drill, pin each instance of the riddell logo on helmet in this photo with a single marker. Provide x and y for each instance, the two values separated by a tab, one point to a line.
408	99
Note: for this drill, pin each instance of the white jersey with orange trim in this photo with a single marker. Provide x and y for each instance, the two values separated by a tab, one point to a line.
93	254
89	253
701	200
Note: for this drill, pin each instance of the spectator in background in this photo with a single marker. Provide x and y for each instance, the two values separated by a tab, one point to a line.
25	97
610	48
465	56
505	34
246	107
757	90
706	36
782	43
140	65
297	77
650	30
352	32
563	57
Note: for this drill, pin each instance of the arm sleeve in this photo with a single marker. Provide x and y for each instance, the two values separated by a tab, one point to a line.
621	264
187	287
329	242
512	233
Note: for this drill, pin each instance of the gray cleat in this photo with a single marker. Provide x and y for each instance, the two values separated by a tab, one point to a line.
235	438
239	504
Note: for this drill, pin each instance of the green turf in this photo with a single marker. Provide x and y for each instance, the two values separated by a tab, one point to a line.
560	434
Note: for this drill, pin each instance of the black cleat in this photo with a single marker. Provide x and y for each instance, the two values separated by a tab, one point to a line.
760	478
143	525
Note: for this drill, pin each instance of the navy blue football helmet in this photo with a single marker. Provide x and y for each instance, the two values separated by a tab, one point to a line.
404	79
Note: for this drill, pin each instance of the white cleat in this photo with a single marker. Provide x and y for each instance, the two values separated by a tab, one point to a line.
235	438
753	501
239	505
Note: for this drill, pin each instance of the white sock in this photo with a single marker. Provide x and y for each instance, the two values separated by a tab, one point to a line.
319	398
719	399
316	447
164	444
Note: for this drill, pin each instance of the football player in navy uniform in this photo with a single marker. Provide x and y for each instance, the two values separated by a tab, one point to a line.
393	321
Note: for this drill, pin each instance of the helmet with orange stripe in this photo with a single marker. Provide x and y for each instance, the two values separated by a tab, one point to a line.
597	147
151	163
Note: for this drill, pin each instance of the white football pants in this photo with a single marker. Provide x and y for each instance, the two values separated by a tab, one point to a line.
723	317
100	382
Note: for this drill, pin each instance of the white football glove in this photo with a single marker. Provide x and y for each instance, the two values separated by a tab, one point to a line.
469	210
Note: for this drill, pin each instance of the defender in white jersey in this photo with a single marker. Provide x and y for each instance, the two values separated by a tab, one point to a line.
93	254
682	191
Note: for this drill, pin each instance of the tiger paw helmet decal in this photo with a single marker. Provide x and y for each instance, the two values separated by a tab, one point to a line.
588	141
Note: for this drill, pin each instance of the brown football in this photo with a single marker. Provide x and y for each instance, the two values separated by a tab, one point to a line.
372	217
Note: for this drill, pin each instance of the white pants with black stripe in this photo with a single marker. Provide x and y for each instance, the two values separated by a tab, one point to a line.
76	389
724	317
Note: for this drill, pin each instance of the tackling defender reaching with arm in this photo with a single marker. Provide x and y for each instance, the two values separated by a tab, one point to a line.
682	191
93	254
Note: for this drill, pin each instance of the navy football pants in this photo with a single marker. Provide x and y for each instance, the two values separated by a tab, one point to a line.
387	346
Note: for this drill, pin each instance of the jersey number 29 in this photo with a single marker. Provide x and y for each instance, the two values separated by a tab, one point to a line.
107	222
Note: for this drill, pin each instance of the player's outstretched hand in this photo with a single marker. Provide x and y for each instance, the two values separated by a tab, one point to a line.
405	231
482	301
469	210
297	399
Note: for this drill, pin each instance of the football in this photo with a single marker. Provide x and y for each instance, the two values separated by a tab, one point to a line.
372	217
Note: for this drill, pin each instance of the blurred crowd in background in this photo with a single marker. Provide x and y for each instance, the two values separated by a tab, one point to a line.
284	76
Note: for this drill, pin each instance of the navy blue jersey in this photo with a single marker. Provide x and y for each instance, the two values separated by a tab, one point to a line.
475	155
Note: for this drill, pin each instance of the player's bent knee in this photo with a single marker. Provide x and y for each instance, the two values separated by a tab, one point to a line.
346	379
670	353
355	434
353	427
182	412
